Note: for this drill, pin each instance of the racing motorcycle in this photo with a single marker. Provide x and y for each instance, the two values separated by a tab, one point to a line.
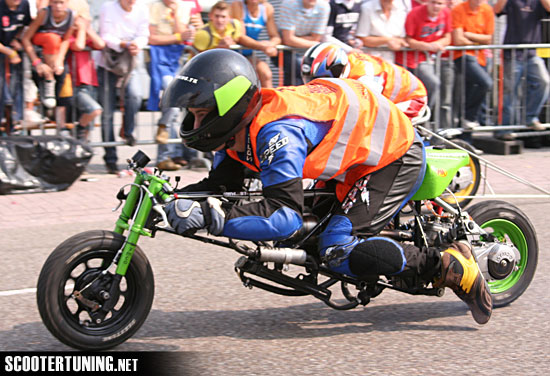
96	288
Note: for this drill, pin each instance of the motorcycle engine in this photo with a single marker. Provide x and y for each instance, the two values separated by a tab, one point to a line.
497	260
438	231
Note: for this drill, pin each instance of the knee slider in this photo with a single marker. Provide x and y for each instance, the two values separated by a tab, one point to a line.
377	256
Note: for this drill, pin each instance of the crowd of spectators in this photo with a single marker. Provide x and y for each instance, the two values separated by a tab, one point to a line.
57	37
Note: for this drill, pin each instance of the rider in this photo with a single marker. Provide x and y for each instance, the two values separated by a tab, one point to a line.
394	82
334	130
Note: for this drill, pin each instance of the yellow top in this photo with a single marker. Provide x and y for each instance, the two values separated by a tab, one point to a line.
208	37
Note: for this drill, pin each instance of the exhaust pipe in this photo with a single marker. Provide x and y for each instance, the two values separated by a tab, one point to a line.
283	255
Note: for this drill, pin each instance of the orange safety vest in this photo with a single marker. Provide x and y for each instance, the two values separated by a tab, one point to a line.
400	85
368	132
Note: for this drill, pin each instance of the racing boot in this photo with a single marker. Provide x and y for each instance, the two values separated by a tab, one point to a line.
459	272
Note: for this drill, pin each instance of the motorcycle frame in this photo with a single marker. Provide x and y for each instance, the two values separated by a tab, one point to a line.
147	187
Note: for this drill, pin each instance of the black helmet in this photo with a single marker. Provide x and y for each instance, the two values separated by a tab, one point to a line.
218	78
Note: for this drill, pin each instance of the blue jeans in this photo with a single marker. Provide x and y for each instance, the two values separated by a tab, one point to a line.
85	96
447	88
170	118
107	93
477	83
425	71
13	94
535	92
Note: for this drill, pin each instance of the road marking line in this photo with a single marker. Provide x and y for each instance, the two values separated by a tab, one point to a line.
17	292
27	291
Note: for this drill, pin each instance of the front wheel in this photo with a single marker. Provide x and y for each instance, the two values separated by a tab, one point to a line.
73	284
508	224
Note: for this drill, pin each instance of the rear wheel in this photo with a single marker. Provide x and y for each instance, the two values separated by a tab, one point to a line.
75	282
508	224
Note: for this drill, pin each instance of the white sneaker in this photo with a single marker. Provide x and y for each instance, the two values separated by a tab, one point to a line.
31	116
49	94
468	124
536	126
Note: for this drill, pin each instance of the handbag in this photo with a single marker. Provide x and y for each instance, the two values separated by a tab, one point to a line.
120	63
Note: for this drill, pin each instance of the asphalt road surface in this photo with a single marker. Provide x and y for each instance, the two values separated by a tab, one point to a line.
201	308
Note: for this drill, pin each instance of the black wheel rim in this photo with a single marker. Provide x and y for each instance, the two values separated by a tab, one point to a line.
76	314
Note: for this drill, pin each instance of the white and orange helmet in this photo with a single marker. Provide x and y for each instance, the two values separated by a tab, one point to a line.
324	60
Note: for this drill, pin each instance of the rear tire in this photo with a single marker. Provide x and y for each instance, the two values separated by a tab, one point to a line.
75	263
473	168
509	225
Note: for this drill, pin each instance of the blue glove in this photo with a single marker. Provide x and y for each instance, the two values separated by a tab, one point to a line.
187	215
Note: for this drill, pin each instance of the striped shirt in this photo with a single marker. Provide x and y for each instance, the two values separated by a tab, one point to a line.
293	16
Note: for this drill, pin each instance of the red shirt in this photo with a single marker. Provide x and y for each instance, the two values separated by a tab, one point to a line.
85	73
420	27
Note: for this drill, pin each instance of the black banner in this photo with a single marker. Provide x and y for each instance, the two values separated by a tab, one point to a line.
102	363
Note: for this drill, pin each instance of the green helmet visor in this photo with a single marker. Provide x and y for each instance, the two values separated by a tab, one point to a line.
230	93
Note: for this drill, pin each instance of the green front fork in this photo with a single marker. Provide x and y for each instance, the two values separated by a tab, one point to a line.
136	228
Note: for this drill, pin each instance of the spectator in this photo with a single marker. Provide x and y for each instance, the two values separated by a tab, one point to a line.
220	31
473	24
523	25
84	73
169	28
15	16
382	24
124	26
302	24
255	15
81	7
51	30
428	29
342	22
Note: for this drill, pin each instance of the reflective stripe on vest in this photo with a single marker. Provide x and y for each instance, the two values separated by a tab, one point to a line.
400	85
352	116
378	135
396	84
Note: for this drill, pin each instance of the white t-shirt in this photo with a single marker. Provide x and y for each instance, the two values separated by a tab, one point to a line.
373	22
117	25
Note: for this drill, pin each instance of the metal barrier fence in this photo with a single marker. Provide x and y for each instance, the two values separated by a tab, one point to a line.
492	115
447	112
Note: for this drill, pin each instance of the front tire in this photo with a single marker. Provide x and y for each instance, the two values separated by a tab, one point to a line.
73	265
509	225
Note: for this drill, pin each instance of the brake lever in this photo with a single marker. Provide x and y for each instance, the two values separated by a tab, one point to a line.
121	196
118	206
158	208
